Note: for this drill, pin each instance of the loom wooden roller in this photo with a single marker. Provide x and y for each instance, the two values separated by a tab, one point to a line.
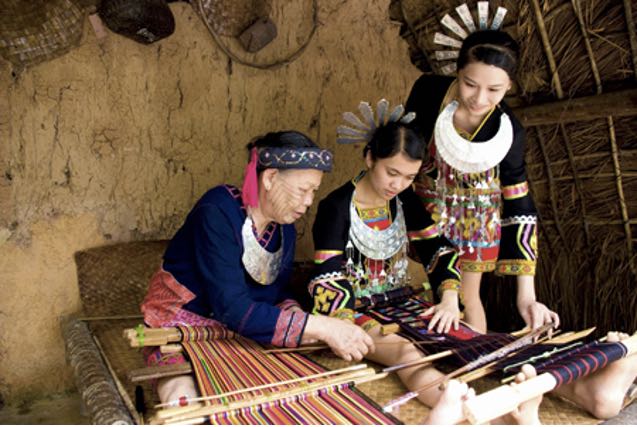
475	364
506	398
199	414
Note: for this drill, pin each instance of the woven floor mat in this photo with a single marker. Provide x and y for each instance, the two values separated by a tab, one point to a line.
123	359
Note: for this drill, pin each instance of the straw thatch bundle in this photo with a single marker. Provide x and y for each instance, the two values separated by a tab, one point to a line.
583	173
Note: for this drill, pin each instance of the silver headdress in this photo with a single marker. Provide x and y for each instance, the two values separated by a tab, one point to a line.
361	129
451	24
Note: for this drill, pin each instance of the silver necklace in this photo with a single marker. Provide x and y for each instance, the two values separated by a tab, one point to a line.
465	156
263	266
377	244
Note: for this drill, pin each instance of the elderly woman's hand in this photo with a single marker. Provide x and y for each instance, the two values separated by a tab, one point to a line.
347	341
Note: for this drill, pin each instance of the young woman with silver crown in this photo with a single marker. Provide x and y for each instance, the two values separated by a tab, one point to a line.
474	181
229	264
362	232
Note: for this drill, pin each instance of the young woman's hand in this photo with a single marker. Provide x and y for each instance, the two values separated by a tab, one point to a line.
536	314
444	315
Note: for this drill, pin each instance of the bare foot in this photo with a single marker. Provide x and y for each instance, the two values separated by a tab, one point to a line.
602	393
171	389
448	410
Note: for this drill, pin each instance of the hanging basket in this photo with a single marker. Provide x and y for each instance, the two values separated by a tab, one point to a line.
144	21
38	30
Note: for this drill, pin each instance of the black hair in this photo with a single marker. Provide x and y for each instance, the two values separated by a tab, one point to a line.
394	137
282	139
492	47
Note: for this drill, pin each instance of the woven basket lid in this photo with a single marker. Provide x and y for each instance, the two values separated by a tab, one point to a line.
38	30
144	21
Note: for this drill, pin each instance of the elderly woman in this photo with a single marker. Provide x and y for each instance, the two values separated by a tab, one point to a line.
230	262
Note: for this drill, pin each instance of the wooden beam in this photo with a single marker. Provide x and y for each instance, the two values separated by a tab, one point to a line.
153	372
548	50
630	23
617	104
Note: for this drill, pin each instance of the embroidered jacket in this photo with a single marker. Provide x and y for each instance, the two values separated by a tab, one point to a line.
205	256
518	241
332	292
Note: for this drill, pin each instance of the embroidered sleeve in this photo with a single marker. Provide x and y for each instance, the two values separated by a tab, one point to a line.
289	328
443	271
331	292
518	242
329	288
518	246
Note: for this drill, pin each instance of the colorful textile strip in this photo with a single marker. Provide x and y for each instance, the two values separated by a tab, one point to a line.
204	333
295	158
517	191
449	285
344	314
477	266
515	267
227	365
289	328
424	234
321	256
582	361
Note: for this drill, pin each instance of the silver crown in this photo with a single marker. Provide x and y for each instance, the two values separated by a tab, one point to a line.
361	129
452	25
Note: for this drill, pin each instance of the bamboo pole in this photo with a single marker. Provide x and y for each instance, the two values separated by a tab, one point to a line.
620	192
578	183
632	37
548	51
552	195
327	347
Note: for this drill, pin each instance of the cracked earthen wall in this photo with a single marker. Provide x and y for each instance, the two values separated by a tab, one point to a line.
116	140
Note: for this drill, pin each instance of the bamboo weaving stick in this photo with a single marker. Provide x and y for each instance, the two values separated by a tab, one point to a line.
199	415
263	386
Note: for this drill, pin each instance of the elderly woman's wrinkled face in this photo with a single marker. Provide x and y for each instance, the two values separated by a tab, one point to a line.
289	193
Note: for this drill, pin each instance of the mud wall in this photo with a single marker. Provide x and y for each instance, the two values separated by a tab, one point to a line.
116	140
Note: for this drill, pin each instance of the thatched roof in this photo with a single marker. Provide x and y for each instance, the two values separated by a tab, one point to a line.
581	152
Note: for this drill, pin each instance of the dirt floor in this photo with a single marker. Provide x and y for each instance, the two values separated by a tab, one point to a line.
55	409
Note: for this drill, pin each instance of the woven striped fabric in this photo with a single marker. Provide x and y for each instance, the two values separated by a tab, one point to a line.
466	344
225	365
581	361
204	333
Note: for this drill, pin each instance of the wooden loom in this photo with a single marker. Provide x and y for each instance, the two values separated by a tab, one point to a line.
255	397
243	385
233	397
